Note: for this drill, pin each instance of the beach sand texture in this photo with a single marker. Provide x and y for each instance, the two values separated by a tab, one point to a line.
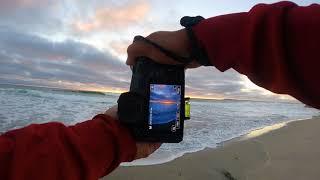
289	153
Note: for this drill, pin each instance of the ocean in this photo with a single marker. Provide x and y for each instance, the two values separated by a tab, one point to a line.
212	121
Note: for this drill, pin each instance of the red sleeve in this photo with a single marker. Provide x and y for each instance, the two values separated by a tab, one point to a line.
87	150
277	46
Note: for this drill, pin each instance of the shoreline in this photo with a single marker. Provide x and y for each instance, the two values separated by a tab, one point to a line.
261	131
270	155
245	136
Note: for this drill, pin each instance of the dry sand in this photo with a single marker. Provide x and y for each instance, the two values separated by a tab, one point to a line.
289	153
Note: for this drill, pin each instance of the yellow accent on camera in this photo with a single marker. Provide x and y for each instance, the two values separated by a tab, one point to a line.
187	108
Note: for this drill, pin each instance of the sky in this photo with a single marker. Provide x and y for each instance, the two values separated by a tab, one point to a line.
82	44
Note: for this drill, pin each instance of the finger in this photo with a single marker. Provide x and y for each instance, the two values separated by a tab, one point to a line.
138	49
130	53
113	108
157	145
153	147
193	64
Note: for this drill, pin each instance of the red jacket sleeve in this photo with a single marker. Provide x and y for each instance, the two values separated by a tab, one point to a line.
87	150
277	46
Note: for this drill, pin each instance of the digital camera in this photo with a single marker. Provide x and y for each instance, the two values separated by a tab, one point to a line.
154	108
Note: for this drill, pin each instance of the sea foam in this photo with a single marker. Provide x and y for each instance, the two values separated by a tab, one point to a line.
212	122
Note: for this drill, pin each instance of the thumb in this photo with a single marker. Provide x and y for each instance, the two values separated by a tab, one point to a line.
137	49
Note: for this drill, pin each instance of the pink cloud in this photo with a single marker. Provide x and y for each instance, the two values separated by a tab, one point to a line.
114	17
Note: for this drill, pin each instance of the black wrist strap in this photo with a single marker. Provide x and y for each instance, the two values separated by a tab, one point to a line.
197	52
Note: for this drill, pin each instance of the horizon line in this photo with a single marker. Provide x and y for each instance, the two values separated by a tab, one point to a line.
122	91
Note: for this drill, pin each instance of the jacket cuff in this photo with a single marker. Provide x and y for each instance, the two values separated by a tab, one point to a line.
126	145
222	39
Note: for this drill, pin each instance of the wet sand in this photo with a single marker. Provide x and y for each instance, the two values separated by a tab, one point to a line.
289	153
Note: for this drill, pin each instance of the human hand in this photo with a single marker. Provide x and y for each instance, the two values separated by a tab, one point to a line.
113	112
174	41
144	149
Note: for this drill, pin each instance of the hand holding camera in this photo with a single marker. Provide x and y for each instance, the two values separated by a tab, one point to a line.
144	149
154	108
176	41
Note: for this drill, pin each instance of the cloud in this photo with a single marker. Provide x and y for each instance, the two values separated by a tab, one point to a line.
8	5
42	43
211	83
120	47
31	15
114	17
32	57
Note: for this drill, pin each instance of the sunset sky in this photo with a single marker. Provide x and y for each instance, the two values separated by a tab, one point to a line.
82	44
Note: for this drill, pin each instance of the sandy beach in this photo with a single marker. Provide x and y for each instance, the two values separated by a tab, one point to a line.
291	152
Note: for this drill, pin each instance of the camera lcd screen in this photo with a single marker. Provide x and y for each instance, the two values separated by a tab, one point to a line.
164	107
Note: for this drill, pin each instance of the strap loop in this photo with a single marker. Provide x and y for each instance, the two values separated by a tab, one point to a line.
197	53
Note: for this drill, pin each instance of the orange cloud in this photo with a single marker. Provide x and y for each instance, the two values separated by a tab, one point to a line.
114	17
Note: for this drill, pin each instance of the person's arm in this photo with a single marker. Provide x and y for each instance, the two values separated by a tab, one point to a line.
88	150
277	46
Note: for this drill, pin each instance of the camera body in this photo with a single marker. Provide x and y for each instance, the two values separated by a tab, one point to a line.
154	108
